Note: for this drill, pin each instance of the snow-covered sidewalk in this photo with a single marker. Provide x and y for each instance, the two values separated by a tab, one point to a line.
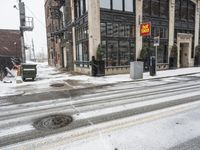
49	75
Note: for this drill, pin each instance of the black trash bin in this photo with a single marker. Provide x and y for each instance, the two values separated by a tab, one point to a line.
98	67
152	67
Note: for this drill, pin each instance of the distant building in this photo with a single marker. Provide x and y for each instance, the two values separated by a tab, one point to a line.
76	28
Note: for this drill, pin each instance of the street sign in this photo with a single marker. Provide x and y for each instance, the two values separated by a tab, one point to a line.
145	29
156	41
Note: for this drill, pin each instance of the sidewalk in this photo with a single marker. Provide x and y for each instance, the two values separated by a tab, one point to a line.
50	79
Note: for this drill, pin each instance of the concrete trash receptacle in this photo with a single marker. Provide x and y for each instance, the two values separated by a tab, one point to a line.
136	70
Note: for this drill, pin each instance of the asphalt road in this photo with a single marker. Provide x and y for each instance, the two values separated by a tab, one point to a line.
193	144
92	106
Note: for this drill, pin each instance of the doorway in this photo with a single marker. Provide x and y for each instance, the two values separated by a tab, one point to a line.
184	55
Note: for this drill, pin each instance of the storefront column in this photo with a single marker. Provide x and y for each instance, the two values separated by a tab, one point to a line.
138	21
94	26
73	33
197	15
171	25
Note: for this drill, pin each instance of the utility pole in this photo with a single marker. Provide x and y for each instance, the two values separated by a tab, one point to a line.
26	24
22	17
33	50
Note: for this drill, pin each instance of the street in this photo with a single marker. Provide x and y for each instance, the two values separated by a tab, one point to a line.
78	113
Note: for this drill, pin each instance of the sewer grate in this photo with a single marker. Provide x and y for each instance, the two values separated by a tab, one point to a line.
52	122
57	85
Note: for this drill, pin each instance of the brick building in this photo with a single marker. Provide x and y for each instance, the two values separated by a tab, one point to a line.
80	26
10	43
10	49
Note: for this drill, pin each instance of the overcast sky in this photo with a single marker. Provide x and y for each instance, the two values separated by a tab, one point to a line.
9	19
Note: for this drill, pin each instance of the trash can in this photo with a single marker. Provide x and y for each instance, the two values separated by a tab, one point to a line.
28	71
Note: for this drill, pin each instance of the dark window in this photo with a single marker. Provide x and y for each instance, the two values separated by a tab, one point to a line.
147	8
191	11
162	53
177	9
184	10
164	7
155	8
105	4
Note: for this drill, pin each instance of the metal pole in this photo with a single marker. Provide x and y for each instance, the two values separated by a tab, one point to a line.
156	59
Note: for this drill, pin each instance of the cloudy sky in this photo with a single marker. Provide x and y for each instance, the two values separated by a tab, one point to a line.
9	19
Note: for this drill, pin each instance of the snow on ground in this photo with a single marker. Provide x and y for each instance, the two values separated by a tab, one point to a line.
159	134
48	75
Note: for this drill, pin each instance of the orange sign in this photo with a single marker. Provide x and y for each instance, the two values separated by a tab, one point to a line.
145	29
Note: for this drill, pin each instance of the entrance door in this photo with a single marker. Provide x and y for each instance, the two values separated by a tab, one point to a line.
184	55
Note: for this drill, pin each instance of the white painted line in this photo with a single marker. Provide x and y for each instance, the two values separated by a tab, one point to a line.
15	130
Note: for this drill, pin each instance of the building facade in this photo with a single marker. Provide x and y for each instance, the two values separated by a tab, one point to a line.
114	25
10	49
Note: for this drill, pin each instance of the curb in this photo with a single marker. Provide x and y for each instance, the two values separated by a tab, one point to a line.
12	95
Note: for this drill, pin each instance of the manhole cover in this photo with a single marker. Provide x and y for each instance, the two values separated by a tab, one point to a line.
52	122
57	85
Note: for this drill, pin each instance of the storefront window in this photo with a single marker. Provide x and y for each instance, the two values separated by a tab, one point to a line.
115	30
109	29
103	29
124	53
112	53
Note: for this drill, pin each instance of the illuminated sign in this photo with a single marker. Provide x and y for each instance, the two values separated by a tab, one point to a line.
145	29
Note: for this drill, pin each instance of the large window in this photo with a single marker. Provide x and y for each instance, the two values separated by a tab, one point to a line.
121	5
128	5
156	8
117	4
118	43
105	4
82	49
